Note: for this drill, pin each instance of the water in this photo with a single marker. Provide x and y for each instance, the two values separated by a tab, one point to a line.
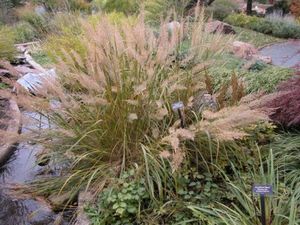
286	54
16	208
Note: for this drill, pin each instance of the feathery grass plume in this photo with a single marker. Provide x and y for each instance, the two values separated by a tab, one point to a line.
117	97
227	123
205	137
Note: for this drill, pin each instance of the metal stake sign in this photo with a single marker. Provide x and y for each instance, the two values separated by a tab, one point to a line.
263	190
178	106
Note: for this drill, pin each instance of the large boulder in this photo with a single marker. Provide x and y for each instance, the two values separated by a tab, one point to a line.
219	27
243	50
17	208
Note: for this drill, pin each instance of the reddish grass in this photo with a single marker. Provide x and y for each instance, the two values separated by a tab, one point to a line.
287	104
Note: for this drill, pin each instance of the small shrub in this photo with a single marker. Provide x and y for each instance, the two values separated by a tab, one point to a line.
119	18
220	9
262	26
279	27
7	41
127	7
66	36
24	32
157	10
242	20
65	22
39	23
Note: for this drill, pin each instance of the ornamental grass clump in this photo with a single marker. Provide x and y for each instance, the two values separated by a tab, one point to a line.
117	97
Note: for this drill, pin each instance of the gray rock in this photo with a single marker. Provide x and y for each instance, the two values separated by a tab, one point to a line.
83	199
243	50
33	82
205	101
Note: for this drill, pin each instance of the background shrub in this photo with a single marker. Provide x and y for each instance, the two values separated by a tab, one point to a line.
125	6
24	32
7	41
278	27
220	9
65	22
7	10
155	10
38	22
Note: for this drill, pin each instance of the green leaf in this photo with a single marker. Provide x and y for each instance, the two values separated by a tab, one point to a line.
132	210
120	211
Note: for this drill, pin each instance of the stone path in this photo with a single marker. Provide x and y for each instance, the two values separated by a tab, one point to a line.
285	54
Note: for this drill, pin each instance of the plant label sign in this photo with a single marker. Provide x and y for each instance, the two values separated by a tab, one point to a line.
177	105
262	189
